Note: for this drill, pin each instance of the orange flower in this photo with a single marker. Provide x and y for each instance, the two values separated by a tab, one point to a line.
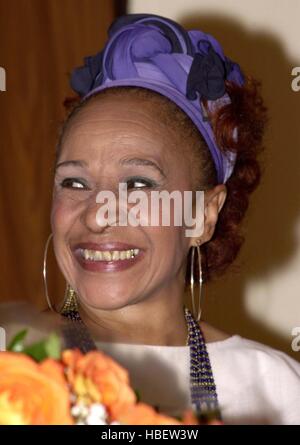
95	377
32	393
142	414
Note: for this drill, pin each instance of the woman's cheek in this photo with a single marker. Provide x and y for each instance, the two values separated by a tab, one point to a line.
63	217
62	213
56	215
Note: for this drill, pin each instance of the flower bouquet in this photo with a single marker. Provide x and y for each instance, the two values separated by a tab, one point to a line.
42	385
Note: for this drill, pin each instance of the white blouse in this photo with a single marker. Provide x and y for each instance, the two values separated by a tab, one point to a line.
256	384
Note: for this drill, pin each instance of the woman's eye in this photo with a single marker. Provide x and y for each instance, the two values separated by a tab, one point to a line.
139	183
73	183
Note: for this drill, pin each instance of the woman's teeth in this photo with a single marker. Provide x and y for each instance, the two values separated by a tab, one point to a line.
115	255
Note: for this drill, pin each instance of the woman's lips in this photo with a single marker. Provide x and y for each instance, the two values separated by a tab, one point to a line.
93	265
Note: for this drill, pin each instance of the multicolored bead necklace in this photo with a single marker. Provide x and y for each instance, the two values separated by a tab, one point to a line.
202	386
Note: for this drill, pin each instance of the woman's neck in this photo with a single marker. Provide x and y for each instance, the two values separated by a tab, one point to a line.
138	324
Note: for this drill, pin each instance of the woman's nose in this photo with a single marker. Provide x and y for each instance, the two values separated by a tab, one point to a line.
96	216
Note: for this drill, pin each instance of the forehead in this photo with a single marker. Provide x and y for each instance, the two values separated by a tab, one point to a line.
110	126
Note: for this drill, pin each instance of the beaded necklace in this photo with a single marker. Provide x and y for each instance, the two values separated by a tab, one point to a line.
202	386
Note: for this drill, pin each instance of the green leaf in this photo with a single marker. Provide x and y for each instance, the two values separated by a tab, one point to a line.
48	348
37	351
138	395
17	343
53	346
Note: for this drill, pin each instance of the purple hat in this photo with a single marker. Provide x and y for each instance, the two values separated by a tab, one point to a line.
156	53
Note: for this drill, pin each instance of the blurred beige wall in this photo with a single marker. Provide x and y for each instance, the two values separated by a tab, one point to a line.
262	300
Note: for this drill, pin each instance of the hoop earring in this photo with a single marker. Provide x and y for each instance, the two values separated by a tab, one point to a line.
197	314
70	298
51	307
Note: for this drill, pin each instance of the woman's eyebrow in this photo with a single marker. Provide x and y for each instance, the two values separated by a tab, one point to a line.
75	163
127	161
142	161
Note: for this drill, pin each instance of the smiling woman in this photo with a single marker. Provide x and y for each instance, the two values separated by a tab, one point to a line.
163	109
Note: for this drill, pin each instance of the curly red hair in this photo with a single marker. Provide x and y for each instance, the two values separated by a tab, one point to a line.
248	114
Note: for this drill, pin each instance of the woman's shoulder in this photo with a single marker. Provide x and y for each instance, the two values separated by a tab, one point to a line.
255	362
251	353
255	378
246	349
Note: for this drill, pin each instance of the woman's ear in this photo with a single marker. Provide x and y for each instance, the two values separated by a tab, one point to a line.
214	200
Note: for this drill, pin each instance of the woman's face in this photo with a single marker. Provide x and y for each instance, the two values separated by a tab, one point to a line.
112	141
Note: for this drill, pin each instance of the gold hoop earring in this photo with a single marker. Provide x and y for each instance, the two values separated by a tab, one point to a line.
70	298
51	307
197	314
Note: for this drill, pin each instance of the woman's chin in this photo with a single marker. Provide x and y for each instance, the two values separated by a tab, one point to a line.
103	300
